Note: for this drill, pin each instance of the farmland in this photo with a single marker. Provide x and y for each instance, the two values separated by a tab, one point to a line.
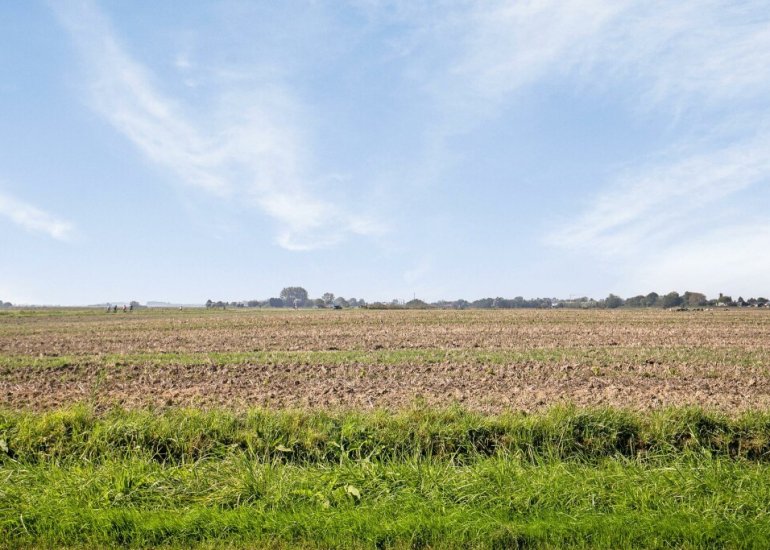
486	361
361	428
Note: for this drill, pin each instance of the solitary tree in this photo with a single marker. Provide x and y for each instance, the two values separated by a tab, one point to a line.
693	299
672	299
292	293
613	301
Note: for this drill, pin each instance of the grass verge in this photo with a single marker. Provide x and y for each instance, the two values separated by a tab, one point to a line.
420	478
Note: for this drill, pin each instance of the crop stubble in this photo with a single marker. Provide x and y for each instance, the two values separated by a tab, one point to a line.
484	360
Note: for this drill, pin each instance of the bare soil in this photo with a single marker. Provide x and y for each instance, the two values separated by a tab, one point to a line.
724	382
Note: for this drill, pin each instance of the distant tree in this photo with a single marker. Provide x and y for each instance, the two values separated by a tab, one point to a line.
318	302
328	298
635	301
613	302
417	304
340	301
727	300
484	303
292	293
694	299
275	302
209	303
672	299
651	300
253	303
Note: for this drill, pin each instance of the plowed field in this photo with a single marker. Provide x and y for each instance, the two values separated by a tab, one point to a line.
483	360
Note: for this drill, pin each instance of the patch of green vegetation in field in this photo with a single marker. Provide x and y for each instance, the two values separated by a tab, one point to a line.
419	478
591	357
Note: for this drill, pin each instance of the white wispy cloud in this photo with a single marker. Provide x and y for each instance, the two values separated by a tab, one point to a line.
34	219
249	149
704	64
650	205
708	61
691	54
508	45
661	220
685	54
711	59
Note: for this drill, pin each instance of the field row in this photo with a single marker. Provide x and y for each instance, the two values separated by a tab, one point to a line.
94	332
734	381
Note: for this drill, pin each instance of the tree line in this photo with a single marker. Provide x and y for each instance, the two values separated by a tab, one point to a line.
297	297
293	297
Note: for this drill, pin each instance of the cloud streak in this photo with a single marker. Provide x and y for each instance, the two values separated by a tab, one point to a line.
709	64
248	150
649	205
704	65
34	219
680	54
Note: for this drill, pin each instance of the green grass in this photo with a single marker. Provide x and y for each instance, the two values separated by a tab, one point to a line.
563	433
493	502
419	478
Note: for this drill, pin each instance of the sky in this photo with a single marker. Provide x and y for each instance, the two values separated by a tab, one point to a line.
180	151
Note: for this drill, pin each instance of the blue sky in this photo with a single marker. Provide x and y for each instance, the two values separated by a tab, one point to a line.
185	150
